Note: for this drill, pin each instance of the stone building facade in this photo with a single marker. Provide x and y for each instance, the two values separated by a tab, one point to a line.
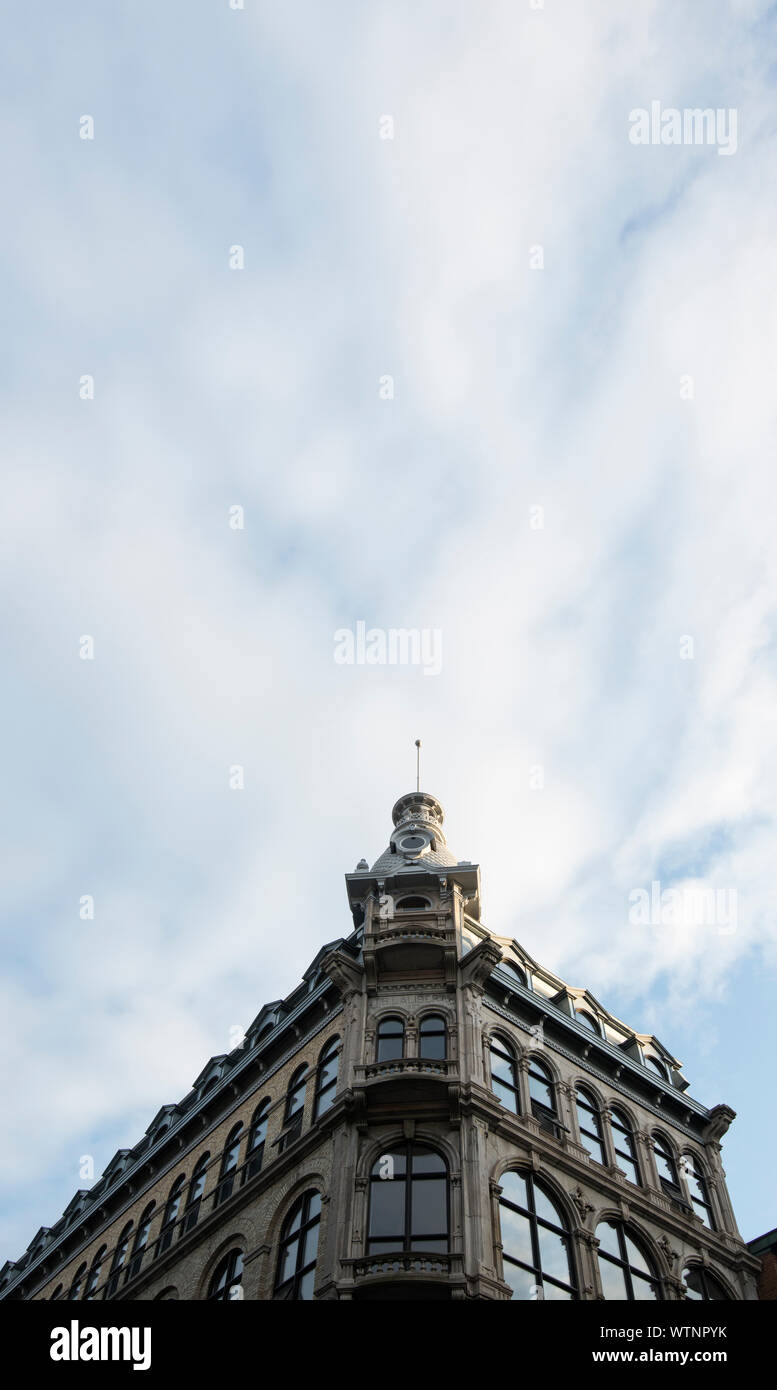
430	1115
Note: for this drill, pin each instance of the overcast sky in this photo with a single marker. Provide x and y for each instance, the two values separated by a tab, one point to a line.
605	711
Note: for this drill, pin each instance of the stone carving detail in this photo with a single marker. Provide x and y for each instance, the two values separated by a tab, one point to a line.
671	1256
580	1202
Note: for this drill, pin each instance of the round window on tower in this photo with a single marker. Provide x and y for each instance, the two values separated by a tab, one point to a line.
414	843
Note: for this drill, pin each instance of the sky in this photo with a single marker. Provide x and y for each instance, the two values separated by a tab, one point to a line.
396	280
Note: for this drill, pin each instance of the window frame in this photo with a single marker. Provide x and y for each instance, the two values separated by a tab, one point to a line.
289	1288
385	1037
628	1270
536	1222
412	1149
499	1045
330	1053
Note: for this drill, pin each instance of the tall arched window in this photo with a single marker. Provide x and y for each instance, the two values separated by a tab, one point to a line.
256	1139
625	1269
299	1248
624	1145
700	1284
194	1198
57	1292
295	1107
697	1188
543	1095
433	1037
666	1165
94	1273
171	1213
535	1238
504	1076
391	1040
227	1277
75	1287
408	1200
229	1164
326	1077
141	1241
119	1256
589	1123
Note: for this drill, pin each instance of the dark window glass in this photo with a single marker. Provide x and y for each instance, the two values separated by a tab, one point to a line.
94	1274
295	1107
256	1140
57	1292
590	1125
535	1239
299	1248
432	1037
391	1040
699	1283
141	1241
697	1188
227	1277
543	1099
412	904
504	1077
229	1164
625	1147
665	1164
119	1257
194	1198
171	1213
75	1287
408	1201
626	1271
326	1077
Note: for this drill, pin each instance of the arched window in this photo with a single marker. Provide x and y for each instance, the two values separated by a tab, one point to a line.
57	1292
535	1239
699	1283
141	1241
408	1200
229	1164
256	1140
391	1040
295	1107
227	1280
75	1287
299	1248
504	1077
665	1163
513	969
326	1077
194	1198
171	1213
413	904
119	1256
168	1293
697	1188
94	1273
583	1016
433	1037
624	1146
589	1123
657	1066
625	1269
542	1092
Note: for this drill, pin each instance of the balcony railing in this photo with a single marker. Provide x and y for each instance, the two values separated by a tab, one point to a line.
408	1066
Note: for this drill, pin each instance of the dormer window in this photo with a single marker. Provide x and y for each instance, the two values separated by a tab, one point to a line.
590	1022
657	1066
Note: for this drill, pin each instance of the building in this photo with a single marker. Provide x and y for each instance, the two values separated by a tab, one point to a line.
765	1249
429	1115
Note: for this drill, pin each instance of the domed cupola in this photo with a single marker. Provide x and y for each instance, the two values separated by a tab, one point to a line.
418	840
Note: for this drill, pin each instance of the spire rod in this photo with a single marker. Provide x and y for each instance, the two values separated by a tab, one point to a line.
418	765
